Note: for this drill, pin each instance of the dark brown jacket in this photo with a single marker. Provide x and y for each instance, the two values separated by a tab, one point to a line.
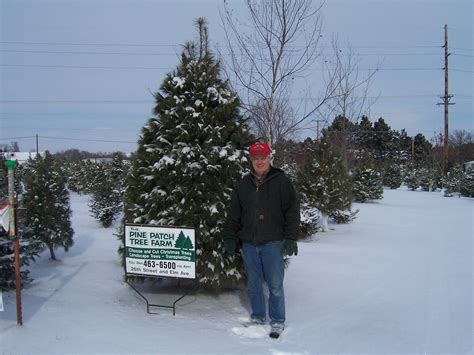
265	211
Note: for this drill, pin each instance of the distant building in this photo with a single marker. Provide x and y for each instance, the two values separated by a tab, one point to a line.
20	157
469	165
98	160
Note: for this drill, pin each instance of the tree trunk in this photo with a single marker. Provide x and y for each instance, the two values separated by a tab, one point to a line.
324	222
51	251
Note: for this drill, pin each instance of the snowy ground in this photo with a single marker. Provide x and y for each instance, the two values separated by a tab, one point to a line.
396	280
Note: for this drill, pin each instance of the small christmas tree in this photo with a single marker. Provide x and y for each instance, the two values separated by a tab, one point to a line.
106	199
412	178
46	202
452	181
76	181
393	177
467	184
309	220
324	182
366	184
189	158
429	179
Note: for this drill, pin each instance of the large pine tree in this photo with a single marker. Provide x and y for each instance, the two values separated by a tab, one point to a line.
46	202
189	157
324	182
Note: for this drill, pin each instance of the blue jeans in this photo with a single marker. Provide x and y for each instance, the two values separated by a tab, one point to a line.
265	263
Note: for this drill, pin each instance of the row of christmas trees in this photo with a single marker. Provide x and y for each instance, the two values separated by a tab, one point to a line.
326	189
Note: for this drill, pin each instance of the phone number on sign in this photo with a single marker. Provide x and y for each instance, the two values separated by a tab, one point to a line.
161	264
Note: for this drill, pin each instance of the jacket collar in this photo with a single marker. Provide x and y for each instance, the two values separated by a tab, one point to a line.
273	172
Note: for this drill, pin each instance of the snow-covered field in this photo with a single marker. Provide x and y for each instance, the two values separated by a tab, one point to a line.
396	280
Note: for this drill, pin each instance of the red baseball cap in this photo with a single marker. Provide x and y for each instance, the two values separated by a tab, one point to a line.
259	149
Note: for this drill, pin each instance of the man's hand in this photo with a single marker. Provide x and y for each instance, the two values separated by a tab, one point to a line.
290	247
229	246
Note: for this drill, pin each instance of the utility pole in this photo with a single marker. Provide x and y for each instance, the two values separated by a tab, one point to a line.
12	233
317	129
446	98
37	150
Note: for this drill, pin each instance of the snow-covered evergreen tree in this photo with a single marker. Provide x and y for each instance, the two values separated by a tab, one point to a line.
429	179
412	178
366	184
106	198
107	190
467	184
324	182
393	176
189	158
310	220
28	248
289	167
76	177
118	171
452	181
46	201
342	217
92	176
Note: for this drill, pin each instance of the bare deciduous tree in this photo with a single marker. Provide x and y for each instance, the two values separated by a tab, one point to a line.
350	98
268	54
276	50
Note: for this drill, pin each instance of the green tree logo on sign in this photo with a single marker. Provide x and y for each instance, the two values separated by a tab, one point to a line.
183	242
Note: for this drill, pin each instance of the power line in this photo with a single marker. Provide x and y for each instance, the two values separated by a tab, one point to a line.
92	44
58	128
463	49
85	140
115	101
81	114
462	70
161	68
77	52
8	138
179	45
462	55
174	54
79	67
70	139
76	101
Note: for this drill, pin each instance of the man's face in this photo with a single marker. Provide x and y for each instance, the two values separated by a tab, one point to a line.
260	164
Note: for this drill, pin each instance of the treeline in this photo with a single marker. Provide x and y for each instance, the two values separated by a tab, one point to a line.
395	156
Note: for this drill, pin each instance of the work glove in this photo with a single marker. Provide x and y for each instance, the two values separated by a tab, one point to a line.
290	247
229	246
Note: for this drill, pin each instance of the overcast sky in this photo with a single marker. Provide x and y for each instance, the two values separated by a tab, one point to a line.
79	73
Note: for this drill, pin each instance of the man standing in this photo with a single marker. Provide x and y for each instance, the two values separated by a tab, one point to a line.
264	214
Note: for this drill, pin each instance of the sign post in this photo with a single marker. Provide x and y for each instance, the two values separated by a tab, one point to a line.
160	251
12	233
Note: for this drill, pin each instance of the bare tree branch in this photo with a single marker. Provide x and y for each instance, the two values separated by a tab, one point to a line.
283	42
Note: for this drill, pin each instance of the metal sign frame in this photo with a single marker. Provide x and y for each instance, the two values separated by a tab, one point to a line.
130	274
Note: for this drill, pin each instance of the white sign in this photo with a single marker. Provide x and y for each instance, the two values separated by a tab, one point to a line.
1	301
160	251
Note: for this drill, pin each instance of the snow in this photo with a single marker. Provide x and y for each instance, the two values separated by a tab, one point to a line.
199	103
396	280
178	82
